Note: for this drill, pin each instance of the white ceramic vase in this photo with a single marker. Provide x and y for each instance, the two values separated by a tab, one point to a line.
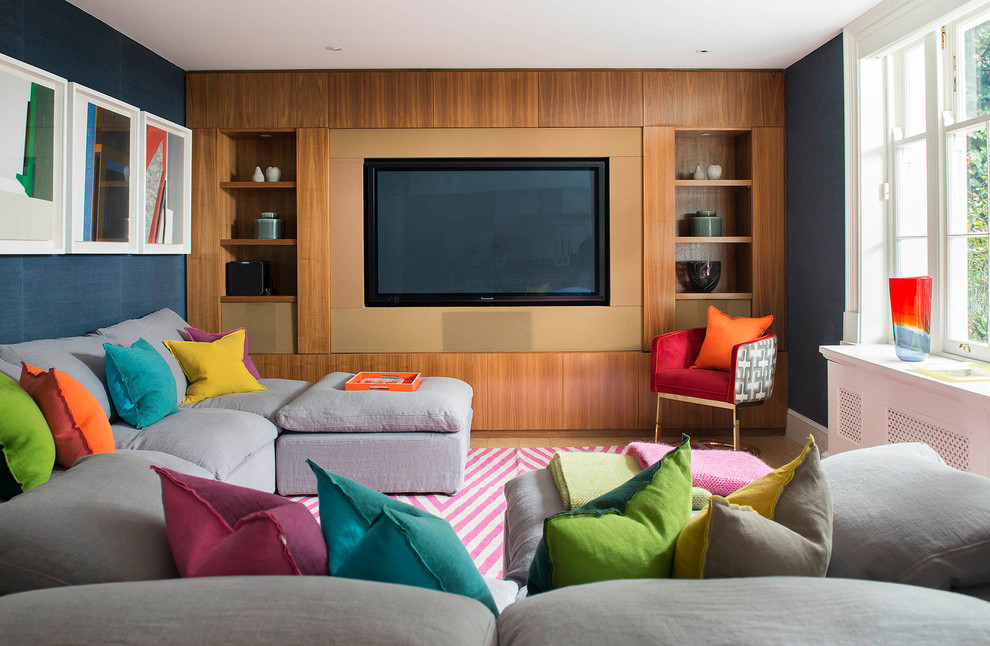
258	175
699	172
273	173
714	171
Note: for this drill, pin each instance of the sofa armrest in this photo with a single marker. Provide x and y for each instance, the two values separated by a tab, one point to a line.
674	350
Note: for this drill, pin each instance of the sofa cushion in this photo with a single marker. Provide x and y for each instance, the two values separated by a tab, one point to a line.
195	334
247	611
218	529
265	403
902	515
217	440
9	369
440	404
99	521
28	451
215	368
82	357
155	328
76	420
706	384
754	610
140	383
530	498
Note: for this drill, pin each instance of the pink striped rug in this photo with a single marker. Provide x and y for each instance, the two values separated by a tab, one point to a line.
476	512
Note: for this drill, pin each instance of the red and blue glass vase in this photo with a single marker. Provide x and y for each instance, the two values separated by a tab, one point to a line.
911	311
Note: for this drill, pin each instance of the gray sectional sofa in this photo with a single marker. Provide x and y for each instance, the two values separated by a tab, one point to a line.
235	437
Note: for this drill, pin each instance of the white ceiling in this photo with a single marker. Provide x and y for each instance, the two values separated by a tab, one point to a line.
403	34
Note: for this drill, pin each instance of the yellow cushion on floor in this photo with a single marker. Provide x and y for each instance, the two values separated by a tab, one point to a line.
215	368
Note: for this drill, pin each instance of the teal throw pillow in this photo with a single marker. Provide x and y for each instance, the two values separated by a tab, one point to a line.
376	538
141	384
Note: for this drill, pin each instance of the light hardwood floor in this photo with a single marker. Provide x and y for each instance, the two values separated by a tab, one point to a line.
775	449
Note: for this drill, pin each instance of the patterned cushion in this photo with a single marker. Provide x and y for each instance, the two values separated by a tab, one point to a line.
756	364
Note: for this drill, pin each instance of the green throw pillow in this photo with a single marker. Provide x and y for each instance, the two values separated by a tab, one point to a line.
628	533
25	439
141	384
376	538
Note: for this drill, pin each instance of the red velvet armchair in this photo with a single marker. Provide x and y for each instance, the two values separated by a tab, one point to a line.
748	383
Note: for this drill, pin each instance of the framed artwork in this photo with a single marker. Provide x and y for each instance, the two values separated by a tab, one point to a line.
164	215
104	173
32	159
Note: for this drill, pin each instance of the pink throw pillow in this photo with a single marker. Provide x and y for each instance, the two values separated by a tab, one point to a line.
720	472
199	336
219	529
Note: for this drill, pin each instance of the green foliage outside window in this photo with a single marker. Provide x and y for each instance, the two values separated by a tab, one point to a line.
978	45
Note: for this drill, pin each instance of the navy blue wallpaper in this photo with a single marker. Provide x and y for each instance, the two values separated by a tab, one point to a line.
50	296
815	222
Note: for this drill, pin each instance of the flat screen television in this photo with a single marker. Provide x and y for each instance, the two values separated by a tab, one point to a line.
486	232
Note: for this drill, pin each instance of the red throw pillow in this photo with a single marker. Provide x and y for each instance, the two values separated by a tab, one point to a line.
199	336
219	529
79	425
725	332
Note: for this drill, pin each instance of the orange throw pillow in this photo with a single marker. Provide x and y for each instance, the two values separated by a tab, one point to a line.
723	333
79	425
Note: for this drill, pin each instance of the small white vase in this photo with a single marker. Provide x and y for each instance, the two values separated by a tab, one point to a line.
699	172
714	171
273	173
258	175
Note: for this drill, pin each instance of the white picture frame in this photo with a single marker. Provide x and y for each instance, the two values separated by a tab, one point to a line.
27	224
176	236
80	220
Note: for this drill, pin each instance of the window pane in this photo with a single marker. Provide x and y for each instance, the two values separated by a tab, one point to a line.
974	72
910	180
912	257
968	274
913	90
966	158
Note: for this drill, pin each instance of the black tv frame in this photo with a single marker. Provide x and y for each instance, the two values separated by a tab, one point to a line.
374	299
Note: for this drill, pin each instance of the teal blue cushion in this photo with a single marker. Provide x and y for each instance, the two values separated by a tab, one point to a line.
141	384
376	538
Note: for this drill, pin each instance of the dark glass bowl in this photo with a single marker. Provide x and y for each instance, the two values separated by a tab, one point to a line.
703	275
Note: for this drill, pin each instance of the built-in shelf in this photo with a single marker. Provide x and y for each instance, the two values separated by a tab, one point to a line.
713	182
257	185
255	242
257	299
721	296
713	239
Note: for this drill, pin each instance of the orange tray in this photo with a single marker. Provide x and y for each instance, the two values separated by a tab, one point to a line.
404	382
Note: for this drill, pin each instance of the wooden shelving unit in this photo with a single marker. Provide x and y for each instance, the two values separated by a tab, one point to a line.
255	242
257	299
257	186
713	239
679	183
713	296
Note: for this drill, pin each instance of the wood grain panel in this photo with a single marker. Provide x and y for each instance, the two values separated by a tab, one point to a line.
698	98
770	229
769	96
600	390
271	99
486	99
591	98
313	246
658	233
380	99
204	281
200	107
524	390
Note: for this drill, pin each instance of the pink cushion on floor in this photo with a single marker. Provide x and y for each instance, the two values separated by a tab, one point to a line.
721	472
219	529
706	384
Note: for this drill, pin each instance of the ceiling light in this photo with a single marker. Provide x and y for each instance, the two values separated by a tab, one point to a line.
334	48
701	51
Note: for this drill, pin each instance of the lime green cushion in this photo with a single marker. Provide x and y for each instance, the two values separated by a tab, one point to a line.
373	537
628	533
27	443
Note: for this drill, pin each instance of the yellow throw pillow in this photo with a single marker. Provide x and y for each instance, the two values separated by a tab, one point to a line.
215	368
778	525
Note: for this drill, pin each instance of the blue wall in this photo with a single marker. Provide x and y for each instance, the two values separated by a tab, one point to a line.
49	296
815	222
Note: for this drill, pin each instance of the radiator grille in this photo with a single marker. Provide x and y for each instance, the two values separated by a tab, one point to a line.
851	416
906	427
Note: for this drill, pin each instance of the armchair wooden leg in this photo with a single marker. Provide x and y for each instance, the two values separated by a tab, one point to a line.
656	429
735	429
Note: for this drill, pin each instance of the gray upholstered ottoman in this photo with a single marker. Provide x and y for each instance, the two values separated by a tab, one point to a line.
394	442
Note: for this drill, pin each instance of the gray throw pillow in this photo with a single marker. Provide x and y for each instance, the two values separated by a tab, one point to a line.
902	515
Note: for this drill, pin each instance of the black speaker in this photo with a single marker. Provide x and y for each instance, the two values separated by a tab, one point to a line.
248	278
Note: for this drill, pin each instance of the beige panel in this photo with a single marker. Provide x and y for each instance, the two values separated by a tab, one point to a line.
346	233
693	313
587	329
626	230
386	329
270	327
487	142
487	331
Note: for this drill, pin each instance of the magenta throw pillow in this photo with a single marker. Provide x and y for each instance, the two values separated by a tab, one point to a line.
199	336
219	529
